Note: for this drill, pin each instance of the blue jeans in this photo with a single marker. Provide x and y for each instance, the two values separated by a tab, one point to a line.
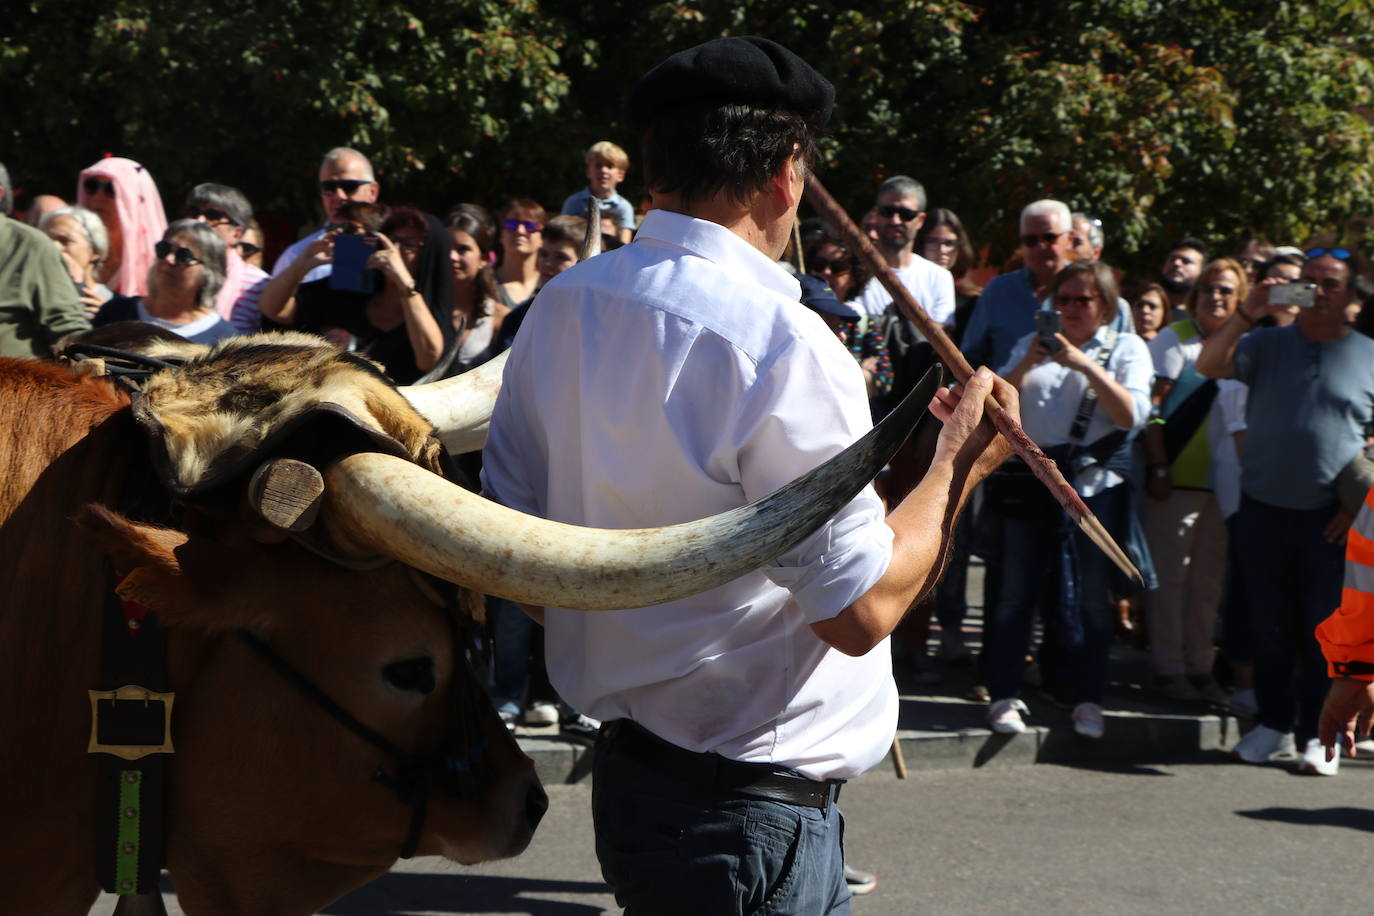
1030	563
510	646
1293	578
667	847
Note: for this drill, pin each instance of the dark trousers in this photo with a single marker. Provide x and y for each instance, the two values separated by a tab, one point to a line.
1030	563
667	847
1293	579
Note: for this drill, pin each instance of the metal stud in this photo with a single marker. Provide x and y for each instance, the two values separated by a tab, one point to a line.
126	885
129	849
131	812
131	777
134	623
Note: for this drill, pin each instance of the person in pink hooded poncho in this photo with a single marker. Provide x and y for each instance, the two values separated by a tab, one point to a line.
123	195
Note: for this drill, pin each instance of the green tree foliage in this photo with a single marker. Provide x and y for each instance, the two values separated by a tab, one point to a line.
1217	118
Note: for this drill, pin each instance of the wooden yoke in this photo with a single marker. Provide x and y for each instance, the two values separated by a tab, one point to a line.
1040	464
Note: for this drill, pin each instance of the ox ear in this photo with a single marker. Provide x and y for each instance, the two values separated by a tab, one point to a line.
187	580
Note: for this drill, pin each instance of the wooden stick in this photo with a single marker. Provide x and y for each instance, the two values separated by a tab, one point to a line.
797	247
1040	464
898	758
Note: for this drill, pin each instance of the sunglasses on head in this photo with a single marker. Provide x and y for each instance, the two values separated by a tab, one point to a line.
211	214
1340	254
887	211
183	256
94	185
838	265
349	186
514	225
1044	238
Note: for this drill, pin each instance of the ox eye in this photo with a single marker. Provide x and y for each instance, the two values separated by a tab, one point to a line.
414	674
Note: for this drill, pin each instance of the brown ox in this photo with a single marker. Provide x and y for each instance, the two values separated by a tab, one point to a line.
271	808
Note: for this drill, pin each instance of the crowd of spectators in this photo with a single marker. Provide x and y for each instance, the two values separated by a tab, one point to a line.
1210	415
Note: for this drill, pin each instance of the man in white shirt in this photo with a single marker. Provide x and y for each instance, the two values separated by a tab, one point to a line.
901	209
680	376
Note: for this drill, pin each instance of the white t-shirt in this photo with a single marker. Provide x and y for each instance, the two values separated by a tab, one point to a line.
931	284
676	378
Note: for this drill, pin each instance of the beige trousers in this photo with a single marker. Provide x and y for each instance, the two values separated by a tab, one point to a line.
1188	544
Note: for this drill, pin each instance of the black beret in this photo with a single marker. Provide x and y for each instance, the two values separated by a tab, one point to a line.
746	71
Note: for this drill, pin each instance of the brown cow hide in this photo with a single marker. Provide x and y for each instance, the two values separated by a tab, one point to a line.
222	413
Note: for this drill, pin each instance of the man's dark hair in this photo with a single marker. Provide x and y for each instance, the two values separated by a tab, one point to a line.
1196	244
701	149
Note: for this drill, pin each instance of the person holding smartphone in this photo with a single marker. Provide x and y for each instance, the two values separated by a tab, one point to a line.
1084	392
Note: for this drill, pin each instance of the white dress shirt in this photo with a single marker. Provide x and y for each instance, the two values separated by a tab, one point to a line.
669	380
1051	395
931	284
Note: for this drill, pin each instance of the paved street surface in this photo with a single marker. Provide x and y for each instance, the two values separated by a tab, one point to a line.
1192	838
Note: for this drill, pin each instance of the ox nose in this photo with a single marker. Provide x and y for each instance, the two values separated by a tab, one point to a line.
536	803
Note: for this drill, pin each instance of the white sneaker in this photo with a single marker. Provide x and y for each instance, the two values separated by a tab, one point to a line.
1262	744
1004	717
1314	762
1087	720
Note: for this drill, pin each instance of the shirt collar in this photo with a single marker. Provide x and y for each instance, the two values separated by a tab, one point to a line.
715	243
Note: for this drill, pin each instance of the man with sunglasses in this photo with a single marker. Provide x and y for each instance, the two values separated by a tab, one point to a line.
38	301
227	211
1311	399
900	205
345	174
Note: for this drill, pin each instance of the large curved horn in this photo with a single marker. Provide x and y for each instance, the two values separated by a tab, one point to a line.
460	407
387	505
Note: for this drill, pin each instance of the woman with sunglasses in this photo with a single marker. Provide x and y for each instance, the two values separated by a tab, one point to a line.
827	257
123	195
1084	391
522	226
185	277
1183	522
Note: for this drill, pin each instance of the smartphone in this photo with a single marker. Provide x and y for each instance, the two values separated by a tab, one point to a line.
1047	324
350	271
1299	294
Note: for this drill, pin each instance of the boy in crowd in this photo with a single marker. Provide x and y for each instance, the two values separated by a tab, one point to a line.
606	168
562	241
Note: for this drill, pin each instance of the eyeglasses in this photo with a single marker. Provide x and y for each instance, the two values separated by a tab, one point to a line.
94	185
1044	238
349	186
1080	301
247	249
1340	254
183	256
887	211
836	265
514	225
409	244
212	215
1218	288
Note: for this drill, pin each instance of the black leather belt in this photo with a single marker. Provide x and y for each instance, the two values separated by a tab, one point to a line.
714	773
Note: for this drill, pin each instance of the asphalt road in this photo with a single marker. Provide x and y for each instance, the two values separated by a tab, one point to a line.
1205	837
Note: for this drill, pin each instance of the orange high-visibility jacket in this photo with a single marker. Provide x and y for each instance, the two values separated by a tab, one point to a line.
1347	636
